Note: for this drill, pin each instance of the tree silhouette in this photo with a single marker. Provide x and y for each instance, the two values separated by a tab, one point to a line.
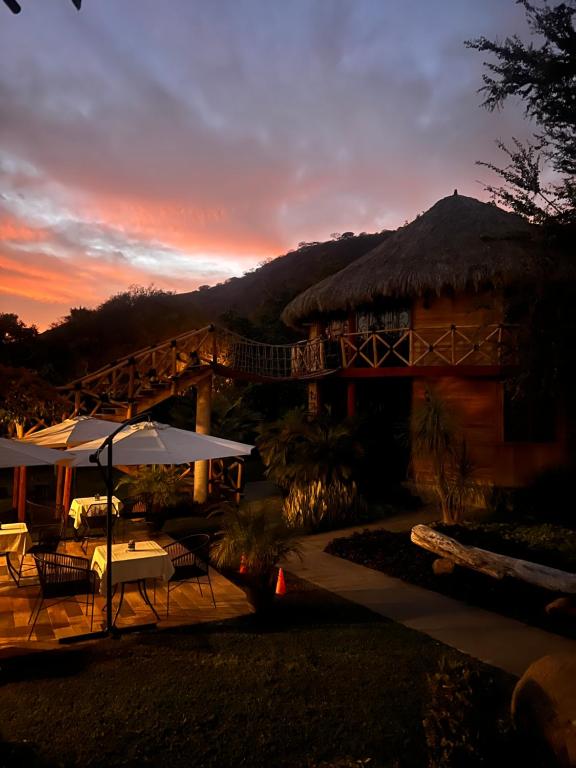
542	76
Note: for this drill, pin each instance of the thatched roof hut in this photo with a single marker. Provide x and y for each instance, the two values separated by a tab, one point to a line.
460	244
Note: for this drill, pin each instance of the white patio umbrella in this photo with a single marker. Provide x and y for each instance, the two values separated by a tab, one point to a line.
66	434
150	442
14	453
70	432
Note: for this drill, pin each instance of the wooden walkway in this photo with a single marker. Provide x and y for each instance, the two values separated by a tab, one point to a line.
66	619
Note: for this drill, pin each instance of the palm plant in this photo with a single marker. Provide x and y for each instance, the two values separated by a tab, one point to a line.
162	486
315	463
462	490
255	536
434	438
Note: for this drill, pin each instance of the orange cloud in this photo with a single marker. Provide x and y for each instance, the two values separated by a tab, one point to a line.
184	226
16	231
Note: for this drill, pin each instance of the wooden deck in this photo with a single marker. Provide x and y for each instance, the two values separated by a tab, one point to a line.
66	619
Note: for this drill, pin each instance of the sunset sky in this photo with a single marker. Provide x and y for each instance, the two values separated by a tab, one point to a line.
179	143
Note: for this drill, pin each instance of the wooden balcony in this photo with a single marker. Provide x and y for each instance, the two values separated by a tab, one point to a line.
456	345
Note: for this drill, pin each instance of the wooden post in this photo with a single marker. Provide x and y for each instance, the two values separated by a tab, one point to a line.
59	485
131	378
22	495
20	482
203	416
15	486
174	357
351	399
67	489
214	344
313	398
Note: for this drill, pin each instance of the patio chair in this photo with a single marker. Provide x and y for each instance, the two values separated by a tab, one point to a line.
93	523
46	526
62	577
190	557
134	512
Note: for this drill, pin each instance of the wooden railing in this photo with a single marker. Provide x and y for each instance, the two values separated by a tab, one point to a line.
157	368
140	380
455	345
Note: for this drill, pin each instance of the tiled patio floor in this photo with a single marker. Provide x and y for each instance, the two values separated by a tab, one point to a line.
69	618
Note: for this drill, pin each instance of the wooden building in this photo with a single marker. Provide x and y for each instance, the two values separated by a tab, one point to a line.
431	307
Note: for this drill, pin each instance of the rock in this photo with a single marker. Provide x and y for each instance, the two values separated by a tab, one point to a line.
544	708
442	566
565	606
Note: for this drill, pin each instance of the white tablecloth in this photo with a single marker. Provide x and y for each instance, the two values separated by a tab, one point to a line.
147	561
78	506
14	537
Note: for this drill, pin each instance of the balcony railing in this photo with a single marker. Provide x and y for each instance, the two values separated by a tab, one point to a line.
454	345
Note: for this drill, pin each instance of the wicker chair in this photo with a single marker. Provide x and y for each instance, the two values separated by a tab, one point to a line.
190	558
62	577
93	523
46	526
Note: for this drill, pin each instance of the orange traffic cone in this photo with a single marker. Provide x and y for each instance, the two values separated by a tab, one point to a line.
280	584
242	568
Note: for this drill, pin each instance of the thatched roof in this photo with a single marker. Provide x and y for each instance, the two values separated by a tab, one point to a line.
459	244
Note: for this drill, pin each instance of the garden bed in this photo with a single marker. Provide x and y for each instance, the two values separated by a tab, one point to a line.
396	555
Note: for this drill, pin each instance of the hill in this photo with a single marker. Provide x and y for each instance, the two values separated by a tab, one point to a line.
250	305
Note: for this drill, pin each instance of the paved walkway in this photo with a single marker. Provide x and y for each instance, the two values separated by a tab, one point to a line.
497	640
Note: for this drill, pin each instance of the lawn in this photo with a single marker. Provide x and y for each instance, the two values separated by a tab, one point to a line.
321	683
552	545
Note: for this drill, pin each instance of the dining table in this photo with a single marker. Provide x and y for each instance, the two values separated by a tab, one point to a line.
14	537
146	560
81	505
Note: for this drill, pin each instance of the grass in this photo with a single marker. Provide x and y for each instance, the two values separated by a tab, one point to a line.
394	554
321	682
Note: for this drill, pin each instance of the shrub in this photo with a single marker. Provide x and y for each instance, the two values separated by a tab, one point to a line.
462	723
315	462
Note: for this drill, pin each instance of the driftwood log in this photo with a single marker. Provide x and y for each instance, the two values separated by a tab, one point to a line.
491	563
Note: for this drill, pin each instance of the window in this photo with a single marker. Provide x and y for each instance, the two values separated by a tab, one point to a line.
393	318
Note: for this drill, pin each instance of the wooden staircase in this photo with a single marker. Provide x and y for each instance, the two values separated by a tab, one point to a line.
132	385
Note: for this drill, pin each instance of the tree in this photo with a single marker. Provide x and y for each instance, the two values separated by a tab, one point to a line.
16	339
25	396
13	330
543	77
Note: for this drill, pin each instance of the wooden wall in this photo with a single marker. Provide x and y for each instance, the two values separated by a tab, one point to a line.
477	408
463	309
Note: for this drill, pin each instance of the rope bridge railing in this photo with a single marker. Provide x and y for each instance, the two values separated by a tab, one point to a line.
275	361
